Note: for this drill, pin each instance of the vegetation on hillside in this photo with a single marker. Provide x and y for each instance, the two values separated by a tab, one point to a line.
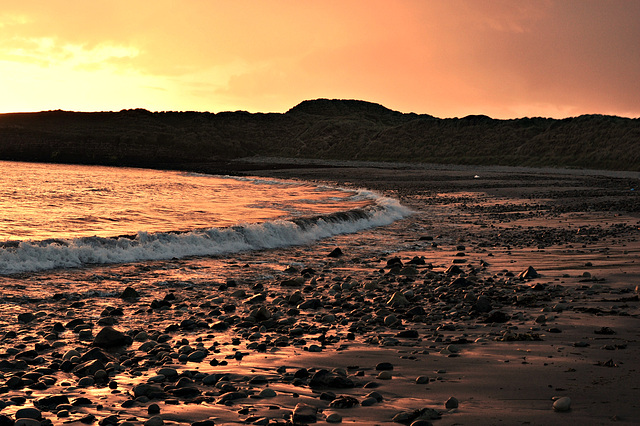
322	129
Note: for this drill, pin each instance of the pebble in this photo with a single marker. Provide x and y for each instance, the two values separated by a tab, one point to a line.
421	380
304	413
562	404
334	418
451	403
384	375
267	393
154	421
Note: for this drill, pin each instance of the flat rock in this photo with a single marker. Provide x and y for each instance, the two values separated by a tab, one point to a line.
109	337
304	413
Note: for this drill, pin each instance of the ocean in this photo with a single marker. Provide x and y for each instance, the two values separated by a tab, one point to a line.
67	216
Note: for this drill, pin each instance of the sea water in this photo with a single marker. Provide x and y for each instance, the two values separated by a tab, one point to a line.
65	216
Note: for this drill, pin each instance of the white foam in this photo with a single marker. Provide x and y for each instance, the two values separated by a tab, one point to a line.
28	256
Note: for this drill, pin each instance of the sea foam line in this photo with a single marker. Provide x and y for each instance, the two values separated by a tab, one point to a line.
29	256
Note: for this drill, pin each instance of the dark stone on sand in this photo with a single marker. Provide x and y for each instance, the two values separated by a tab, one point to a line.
186	392
26	317
111	338
336	252
482	305
10	335
129	293
497	317
204	423
408	334
310	304
394	261
453	270
110	420
451	403
6	420
605	331
417	261
528	273
88	368
344	401
304	413
80	401
28	413
384	366
27	354
326	379
49	402
95	353
230	396
460	282
408	417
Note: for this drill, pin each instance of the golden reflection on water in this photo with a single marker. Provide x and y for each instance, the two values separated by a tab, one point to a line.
42	201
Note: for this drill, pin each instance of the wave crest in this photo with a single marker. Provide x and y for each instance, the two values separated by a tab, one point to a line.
33	256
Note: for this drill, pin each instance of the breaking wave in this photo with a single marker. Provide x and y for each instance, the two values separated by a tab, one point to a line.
32	256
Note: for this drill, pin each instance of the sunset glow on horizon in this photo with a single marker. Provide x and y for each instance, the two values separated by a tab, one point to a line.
505	59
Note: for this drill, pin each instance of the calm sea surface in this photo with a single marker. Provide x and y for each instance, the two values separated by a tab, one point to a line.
55	216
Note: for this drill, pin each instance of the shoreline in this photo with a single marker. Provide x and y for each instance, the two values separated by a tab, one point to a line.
501	345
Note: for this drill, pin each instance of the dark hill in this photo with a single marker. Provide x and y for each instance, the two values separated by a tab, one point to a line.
324	129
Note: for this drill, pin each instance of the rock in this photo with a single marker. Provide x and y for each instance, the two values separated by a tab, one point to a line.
528	273
421	380
153	409
391	320
384	375
27	422
483	304
562	404
304	413
230	396
154	421
28	413
197	356
26	317
367	402
453	270
88	368
451	403
497	316
95	354
111	338
408	417
408	334
129	293
460	282
267	393
326	379
398	300
384	366
334	418
344	401
336	252
50	402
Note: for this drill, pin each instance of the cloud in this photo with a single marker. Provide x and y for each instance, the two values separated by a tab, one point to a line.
448	58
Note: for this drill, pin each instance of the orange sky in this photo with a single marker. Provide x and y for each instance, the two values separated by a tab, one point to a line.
448	58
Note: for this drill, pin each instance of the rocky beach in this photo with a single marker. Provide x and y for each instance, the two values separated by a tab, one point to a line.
509	297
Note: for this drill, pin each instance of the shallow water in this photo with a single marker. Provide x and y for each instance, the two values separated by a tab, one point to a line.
54	216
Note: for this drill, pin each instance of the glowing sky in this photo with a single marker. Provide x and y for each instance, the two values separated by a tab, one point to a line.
502	58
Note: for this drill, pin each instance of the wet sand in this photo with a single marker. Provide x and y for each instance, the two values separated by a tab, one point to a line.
425	320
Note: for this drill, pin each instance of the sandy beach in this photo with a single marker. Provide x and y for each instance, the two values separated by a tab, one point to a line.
509	297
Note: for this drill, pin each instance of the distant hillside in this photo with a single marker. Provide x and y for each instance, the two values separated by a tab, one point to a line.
323	129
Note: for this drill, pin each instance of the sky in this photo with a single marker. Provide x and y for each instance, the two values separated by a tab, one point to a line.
447	58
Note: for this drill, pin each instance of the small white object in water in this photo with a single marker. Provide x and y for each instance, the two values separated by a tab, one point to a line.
476	177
